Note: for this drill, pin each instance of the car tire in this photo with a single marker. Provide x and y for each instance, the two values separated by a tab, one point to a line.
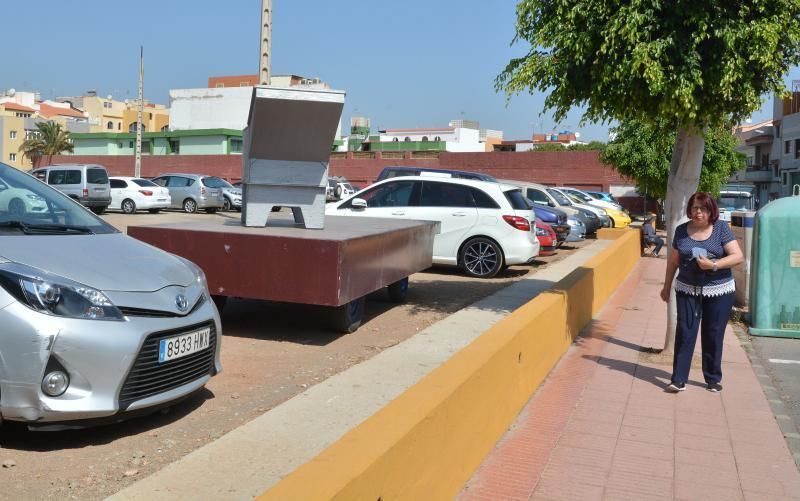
153	211
16	207
347	318
398	291
190	206
227	204
128	206
481	257
99	210
211	210
612	224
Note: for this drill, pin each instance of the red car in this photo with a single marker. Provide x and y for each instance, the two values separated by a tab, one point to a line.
547	238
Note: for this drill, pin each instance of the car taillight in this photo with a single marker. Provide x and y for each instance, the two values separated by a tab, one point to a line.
518	222
146	193
86	192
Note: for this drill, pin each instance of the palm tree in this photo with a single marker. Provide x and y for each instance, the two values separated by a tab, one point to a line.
51	139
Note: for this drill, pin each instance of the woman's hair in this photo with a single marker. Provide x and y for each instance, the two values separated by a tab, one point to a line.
703	198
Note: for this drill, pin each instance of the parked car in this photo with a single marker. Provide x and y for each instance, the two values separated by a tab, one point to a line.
548	242
86	336
485	226
577	230
192	191
396	171
130	194
556	218
338	188
20	201
565	199
231	195
538	194
603	195
619	217
86	183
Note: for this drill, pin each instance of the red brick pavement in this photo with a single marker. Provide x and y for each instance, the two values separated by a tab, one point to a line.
601	426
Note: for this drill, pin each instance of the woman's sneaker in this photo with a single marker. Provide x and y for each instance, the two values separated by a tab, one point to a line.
715	387
676	387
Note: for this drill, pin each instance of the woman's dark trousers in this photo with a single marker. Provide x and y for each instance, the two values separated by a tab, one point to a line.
711	315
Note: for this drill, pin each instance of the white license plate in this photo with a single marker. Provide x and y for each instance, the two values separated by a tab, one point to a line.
185	344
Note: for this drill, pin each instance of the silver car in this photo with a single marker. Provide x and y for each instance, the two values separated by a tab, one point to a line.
192	191
95	324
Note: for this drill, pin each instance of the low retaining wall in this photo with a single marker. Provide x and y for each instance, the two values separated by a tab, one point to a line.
427	443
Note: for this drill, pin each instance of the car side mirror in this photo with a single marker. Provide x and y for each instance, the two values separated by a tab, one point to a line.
358	203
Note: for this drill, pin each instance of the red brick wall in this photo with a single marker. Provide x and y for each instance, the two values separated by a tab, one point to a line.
581	169
232	81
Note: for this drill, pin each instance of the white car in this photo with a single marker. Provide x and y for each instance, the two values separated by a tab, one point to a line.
590	200
130	194
18	201
484	226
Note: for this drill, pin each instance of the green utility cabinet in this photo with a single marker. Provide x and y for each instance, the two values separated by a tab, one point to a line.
775	281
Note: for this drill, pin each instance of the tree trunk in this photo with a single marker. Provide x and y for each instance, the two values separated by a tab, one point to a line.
684	177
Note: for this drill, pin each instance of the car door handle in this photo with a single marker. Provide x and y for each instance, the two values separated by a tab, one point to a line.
460	214
399	213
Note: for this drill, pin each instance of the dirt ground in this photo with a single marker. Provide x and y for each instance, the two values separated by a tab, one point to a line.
270	353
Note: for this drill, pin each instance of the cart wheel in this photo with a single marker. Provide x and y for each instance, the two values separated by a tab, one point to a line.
347	318
398	291
219	301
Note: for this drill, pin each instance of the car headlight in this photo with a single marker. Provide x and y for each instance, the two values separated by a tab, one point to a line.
55	295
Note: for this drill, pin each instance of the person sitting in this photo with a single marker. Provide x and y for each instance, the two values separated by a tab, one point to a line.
650	236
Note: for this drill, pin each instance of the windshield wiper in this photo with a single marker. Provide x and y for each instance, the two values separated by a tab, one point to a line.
42	229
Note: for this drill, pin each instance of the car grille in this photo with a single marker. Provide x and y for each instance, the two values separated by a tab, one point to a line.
147	377
141	312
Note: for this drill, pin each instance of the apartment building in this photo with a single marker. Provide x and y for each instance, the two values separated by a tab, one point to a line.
108	115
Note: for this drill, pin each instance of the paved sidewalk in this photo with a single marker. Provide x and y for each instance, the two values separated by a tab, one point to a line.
602	427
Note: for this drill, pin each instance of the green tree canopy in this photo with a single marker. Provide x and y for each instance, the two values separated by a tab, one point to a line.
695	62
642	152
50	139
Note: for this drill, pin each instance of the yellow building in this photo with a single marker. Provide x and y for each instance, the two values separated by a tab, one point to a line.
12	134
155	117
108	115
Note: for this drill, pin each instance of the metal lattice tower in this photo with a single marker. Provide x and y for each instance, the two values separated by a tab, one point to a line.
266	42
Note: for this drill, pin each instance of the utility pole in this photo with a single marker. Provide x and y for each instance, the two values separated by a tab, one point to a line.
137	169
266	42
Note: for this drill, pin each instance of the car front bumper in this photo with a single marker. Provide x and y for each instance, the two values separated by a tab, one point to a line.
99	357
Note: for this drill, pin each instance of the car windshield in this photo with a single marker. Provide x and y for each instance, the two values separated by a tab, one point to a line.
560	198
733	202
581	196
29	206
144	183
216	182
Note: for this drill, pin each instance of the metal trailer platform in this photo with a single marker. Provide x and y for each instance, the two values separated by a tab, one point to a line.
336	266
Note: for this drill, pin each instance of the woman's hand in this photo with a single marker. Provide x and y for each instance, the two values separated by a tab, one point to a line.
665	294
704	263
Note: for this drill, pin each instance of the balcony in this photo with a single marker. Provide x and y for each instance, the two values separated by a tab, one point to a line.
759	174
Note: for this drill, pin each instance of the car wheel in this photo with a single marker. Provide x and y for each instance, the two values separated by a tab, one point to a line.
16	207
613	225
128	206
99	210
226	204
154	211
347	318
190	206
398	291
481	258
211	210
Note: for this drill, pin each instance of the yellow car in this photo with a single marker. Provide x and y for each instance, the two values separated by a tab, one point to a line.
619	218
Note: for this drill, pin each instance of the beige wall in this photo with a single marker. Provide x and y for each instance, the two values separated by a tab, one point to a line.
9	146
160	118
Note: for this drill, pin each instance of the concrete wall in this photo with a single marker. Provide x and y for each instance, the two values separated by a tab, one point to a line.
427	442
224	108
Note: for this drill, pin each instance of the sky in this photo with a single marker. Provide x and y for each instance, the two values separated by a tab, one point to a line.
410	64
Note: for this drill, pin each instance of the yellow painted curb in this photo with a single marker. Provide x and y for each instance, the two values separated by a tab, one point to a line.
427	442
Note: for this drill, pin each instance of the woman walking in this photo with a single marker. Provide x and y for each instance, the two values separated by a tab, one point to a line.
704	251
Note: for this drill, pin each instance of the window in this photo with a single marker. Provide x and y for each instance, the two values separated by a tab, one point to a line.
777	131
130	144
445	195
117	183
12	157
144	183
151	116
119	125
785	178
797	148
174	146
787	145
518	202
424	139
179	182
437	139
236	145
483	200
146	147
397	194
407	139
12	134
537	196
165	128
395	140
161	181
58	177
96	176
220	85
110	125
107	105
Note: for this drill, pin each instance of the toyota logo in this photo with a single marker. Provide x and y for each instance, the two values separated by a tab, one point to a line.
181	302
